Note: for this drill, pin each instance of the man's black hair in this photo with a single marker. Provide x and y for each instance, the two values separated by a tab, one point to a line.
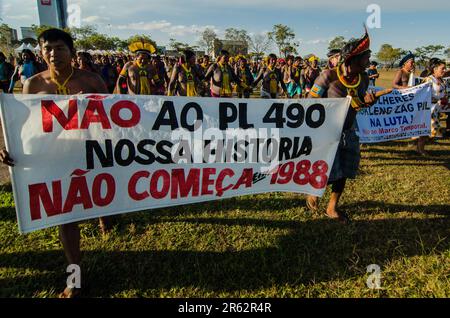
52	35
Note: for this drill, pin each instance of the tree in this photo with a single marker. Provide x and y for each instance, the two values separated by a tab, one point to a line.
424	53
38	29
233	34
217	46
5	39
447	52
283	36
119	44
179	46
337	43
259	44
82	32
389	55
207	40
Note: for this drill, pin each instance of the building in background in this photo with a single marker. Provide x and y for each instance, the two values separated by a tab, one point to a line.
233	47
28	33
11	36
52	13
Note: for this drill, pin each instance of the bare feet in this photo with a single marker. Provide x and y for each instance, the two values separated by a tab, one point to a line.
312	203
105	225
340	216
70	292
423	153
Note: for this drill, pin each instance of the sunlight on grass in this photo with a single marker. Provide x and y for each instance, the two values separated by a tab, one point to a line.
265	245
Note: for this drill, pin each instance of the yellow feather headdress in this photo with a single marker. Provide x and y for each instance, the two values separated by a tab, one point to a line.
142	46
313	58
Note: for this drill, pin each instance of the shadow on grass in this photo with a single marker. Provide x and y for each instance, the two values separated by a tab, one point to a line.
257	204
8	214
313	251
373	207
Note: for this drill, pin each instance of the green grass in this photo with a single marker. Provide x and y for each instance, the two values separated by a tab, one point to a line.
261	245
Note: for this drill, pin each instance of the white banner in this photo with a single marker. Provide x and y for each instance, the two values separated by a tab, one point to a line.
401	114
81	157
440	109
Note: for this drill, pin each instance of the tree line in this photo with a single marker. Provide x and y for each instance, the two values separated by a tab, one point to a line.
282	38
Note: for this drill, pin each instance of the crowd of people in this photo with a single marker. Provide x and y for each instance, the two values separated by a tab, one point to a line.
169	75
348	72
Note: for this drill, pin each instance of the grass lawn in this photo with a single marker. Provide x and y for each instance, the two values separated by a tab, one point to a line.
262	245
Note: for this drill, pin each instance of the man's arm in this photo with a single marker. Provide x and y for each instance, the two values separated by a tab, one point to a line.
210	72
122	79
259	77
281	80
234	77
173	81
31	85
321	84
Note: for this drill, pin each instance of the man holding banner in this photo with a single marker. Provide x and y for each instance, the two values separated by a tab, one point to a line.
347	79
61	79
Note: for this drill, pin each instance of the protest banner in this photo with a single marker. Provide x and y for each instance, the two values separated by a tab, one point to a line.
84	156
401	114
440	108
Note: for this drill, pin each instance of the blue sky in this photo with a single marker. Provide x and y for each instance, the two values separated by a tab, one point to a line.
405	24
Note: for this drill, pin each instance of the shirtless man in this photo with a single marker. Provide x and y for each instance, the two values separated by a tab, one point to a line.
221	75
271	79
401	80
186	76
311	72
347	79
137	76
407	65
58	50
294	86
243	72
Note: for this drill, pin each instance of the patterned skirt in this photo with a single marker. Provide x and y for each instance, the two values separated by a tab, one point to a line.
348	156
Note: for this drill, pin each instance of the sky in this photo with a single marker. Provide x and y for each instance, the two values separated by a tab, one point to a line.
407	24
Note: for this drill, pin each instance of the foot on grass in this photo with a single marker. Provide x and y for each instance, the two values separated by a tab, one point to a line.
340	216
312	203
70	292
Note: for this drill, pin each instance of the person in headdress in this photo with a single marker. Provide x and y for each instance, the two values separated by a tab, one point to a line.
271	79
295	79
136	77
347	79
311	72
221	75
186	76
242	71
203	66
407	65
